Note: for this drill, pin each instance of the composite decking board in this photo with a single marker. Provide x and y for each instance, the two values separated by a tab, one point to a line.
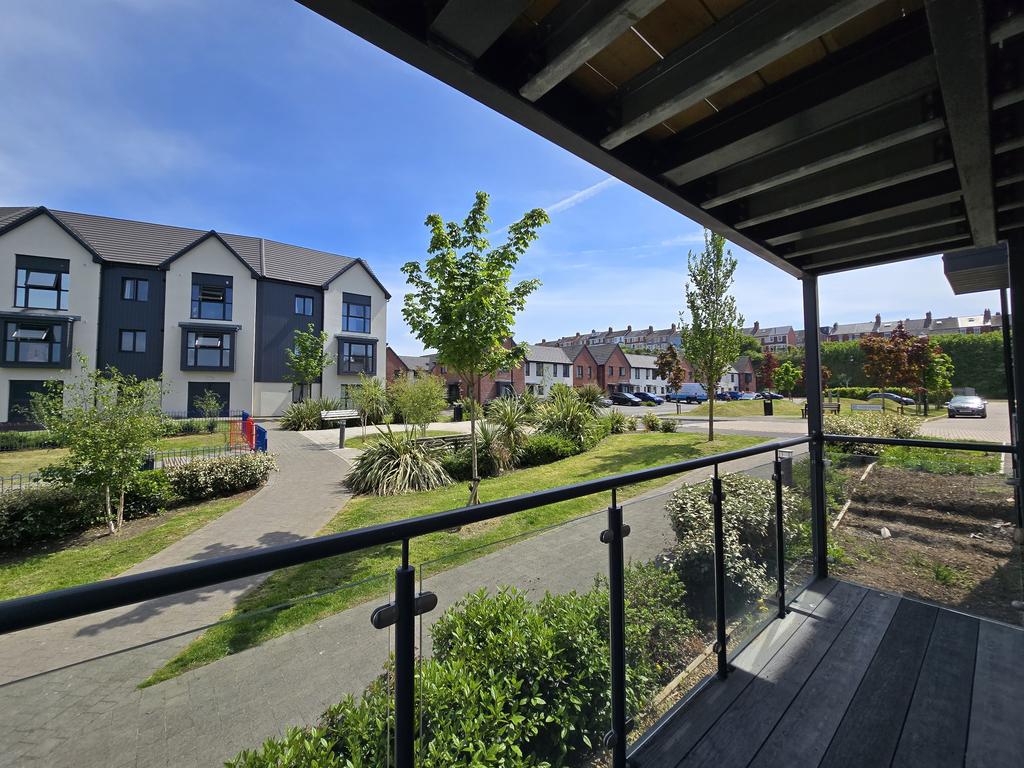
802	735
935	731
738	734
871	727
683	728
996	735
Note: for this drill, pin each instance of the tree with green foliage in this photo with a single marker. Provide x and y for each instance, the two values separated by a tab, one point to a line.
751	347
462	302
307	359
370	397
711	340
769	364
786	377
670	368
109	422
419	401
209	405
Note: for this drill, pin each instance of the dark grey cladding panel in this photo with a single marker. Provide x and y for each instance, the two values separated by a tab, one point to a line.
116	314
276	323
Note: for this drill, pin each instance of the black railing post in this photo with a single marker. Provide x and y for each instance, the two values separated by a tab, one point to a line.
815	424
405	660
721	639
780	536
615	739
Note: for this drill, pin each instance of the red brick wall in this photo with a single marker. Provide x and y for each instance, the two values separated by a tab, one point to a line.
394	363
589	374
614	372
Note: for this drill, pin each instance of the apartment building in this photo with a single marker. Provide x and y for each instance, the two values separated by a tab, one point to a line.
646	338
773	339
644	375
201	309
544	367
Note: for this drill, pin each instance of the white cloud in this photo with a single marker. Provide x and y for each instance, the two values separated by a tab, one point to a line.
582	196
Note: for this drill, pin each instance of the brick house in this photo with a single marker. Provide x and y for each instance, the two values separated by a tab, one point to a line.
584	366
613	374
747	380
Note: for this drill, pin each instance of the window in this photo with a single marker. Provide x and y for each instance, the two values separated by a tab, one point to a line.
611	371
304	305
134	289
622	371
34	343
526	368
590	372
132	341
566	370
211	297
208	349
42	283
579	371
355	313
357	357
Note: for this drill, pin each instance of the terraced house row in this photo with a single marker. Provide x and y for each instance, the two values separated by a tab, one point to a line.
203	310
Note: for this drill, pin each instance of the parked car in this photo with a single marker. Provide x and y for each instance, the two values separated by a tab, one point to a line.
748	396
766	395
649	397
688	393
967	405
891	396
727	394
625	398
604	402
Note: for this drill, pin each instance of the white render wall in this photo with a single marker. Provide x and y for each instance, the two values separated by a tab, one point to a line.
210	257
43	237
355	280
546	379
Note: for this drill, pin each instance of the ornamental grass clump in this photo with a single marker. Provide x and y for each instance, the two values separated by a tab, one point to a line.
394	464
566	415
305	415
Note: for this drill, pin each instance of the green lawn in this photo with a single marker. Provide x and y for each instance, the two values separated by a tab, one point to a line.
108	556
618	453
15	462
742	408
372	434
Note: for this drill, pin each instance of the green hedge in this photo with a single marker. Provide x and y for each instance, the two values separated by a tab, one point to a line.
861	393
512	682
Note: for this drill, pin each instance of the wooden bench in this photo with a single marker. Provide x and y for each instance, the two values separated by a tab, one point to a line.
340	416
444	441
825	407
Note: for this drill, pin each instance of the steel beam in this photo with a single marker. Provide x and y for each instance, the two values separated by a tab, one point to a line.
920	221
472	26
902	244
851	105
1007	29
1016	266
815	424
758	33
591	29
961	58
1011	398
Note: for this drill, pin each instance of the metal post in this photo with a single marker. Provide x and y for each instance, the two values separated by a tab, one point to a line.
615	739
812	381
780	536
341	433
1016	269
1011	399
405	660
721	639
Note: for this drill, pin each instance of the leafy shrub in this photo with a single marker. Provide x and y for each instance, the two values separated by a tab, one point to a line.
631	423
42	512
651	422
667	425
151	491
175	427
591	395
507	416
305	415
648	404
540	449
417	401
869	424
394	464
617	422
861	393
512	682
206	478
471	408
748	516
492	457
26	441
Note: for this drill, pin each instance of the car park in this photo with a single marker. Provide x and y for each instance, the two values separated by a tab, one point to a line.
688	393
649	397
967	405
891	396
625	398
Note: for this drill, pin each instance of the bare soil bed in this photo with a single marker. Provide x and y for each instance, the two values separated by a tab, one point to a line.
951	544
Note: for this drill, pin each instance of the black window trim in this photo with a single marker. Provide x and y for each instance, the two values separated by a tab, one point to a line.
67	338
135	341
125	280
351	300
44	265
343	369
211	330
304	298
204	281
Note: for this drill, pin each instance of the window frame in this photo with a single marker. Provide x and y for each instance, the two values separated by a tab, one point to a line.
346	367
60	269
306	301
13	344
136	283
134	335
190	337
205	282
349	321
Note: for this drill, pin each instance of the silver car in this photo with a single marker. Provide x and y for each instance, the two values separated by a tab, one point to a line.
967	405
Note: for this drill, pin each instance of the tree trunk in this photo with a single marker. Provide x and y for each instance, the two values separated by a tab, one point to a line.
474	486
109	512
711	412
120	511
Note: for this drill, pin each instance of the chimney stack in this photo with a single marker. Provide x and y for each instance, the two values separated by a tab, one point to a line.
757	326
928	319
878	321
609	329
673	326
650	329
988	316
629	328
543	341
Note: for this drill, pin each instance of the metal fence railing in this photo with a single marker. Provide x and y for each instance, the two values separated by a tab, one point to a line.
20	481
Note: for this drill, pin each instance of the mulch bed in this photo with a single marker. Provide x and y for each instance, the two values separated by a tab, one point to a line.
952	540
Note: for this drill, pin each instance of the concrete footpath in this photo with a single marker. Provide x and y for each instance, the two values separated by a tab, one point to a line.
92	714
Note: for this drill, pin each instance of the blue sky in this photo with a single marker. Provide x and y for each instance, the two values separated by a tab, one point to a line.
258	117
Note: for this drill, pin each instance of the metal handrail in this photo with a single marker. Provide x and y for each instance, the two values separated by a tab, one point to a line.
35	610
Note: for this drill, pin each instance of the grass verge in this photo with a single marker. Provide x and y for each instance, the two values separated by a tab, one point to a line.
107	556
372	436
368	571
941	462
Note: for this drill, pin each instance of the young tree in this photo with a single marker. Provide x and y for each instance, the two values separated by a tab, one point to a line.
108	422
931	368
670	367
462	304
307	358
419	401
786	378
886	360
209	406
711	341
370	398
769	364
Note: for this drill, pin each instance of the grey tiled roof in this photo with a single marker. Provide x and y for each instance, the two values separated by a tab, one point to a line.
537	353
418	362
602	352
642	361
140	242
